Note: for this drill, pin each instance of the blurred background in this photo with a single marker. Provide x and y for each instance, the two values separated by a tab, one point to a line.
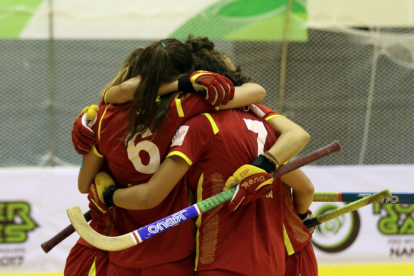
342	69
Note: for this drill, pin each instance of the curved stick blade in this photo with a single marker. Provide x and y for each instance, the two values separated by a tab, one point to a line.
92	237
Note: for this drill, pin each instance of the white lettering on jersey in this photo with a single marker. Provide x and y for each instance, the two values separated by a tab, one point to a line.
148	146
259	128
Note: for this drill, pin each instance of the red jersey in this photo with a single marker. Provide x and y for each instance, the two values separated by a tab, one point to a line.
136	165
249	240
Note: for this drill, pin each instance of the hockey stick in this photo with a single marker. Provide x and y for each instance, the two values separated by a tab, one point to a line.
135	237
396	198
348	208
59	237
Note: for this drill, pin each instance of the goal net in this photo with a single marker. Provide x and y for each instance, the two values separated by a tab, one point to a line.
343	70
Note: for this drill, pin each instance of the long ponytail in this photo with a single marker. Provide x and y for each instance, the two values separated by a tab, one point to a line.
161	62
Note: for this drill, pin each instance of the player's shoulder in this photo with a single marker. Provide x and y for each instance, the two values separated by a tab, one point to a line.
108	111
199	121
109	117
186	99
204	124
200	128
184	106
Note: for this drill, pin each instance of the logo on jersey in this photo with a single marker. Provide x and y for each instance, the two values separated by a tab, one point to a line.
256	110
253	181
179	136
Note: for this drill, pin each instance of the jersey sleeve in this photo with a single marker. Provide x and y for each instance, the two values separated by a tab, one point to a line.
264	112
103	100
191	139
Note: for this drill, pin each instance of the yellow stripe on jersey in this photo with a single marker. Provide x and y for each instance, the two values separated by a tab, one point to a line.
198	222
92	272
273	116
213	124
96	152
100	122
288	243
182	155
106	93
179	107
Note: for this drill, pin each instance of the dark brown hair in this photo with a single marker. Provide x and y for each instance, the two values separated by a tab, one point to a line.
207	58
160	62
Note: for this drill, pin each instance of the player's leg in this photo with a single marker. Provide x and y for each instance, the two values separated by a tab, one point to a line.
82	261
184	267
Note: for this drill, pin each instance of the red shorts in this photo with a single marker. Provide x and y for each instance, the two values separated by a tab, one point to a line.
302	263
184	267
82	261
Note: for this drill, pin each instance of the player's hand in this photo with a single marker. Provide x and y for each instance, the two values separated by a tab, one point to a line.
83	137
252	183
103	181
219	88
267	162
309	215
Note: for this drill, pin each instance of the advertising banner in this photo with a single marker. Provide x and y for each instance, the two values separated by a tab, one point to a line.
33	205
377	233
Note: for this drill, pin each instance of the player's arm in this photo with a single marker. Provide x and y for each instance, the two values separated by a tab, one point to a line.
91	165
95	183
291	139
248	93
152	193
125	91
302	190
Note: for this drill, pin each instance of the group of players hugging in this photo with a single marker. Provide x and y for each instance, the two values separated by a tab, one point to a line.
177	125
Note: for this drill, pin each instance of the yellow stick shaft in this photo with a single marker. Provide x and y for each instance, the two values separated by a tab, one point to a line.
354	206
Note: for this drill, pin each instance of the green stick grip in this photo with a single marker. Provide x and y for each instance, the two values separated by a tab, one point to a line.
218	199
